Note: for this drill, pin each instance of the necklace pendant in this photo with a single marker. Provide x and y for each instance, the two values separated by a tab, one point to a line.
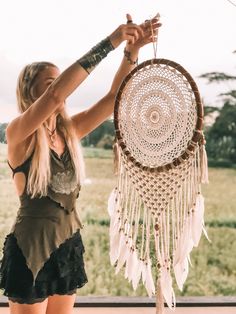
53	137
53	140
54	145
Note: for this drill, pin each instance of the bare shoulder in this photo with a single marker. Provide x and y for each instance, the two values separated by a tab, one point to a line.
18	153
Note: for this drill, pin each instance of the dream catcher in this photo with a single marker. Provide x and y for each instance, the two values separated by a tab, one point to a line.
156	210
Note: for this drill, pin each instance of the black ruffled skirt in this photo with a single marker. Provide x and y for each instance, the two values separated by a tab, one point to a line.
62	273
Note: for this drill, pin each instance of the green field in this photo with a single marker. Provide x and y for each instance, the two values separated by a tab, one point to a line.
213	271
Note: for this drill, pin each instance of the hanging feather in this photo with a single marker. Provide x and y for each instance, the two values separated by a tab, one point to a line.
198	220
181	272
149	282
137	273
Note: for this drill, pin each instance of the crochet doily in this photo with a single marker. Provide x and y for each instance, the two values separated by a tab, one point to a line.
157	114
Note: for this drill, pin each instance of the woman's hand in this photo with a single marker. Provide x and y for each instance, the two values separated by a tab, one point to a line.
130	32
149	33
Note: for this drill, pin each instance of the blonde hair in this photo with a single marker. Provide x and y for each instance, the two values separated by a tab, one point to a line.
40	173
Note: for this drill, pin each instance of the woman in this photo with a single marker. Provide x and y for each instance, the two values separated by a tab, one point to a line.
43	254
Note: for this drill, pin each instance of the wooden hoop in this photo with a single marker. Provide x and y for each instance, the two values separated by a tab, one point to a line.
197	135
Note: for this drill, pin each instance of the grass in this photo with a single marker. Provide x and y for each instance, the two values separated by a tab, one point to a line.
213	271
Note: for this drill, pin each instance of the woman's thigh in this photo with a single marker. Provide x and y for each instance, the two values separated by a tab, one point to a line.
60	304
36	308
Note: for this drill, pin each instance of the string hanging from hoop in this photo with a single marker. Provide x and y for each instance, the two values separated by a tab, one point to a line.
154	40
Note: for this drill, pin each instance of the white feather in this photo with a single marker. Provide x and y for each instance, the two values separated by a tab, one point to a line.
114	246
166	287
123	253
112	202
114	237
137	271
149	284
129	266
185	245
197	221
181	273
144	271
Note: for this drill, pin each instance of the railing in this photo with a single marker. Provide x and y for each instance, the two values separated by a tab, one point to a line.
93	301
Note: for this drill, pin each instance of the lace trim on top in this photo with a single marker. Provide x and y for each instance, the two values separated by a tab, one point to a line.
64	182
63	187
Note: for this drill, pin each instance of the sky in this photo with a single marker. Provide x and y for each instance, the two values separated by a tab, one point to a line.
200	35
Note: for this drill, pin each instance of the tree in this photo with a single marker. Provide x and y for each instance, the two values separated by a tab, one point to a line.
221	136
2	132
106	142
218	77
106	128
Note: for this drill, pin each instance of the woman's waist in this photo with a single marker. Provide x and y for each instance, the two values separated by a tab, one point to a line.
53	214
52	201
38	207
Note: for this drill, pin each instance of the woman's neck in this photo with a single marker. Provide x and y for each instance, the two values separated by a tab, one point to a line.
51	122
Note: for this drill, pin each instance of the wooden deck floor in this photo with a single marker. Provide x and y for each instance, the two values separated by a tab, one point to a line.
120	310
145	310
144	305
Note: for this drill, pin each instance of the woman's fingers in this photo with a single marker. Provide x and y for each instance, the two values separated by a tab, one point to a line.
131	27
157	16
129	18
133	32
148	25
131	40
131	24
153	30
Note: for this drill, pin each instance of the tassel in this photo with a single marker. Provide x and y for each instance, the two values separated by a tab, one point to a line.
203	164
116	157
160	308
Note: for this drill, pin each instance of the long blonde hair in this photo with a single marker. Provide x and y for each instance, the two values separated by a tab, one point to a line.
39	173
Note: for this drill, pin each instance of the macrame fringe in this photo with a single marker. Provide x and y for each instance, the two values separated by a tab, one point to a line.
160	306
168	215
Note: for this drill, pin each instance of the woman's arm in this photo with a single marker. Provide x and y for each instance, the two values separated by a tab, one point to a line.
86	121
54	96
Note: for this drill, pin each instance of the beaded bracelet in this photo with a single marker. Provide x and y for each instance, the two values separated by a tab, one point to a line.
128	57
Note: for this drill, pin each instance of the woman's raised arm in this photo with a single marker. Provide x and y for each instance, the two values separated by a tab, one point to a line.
49	99
86	121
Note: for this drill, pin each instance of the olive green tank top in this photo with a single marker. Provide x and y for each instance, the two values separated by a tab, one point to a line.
43	223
